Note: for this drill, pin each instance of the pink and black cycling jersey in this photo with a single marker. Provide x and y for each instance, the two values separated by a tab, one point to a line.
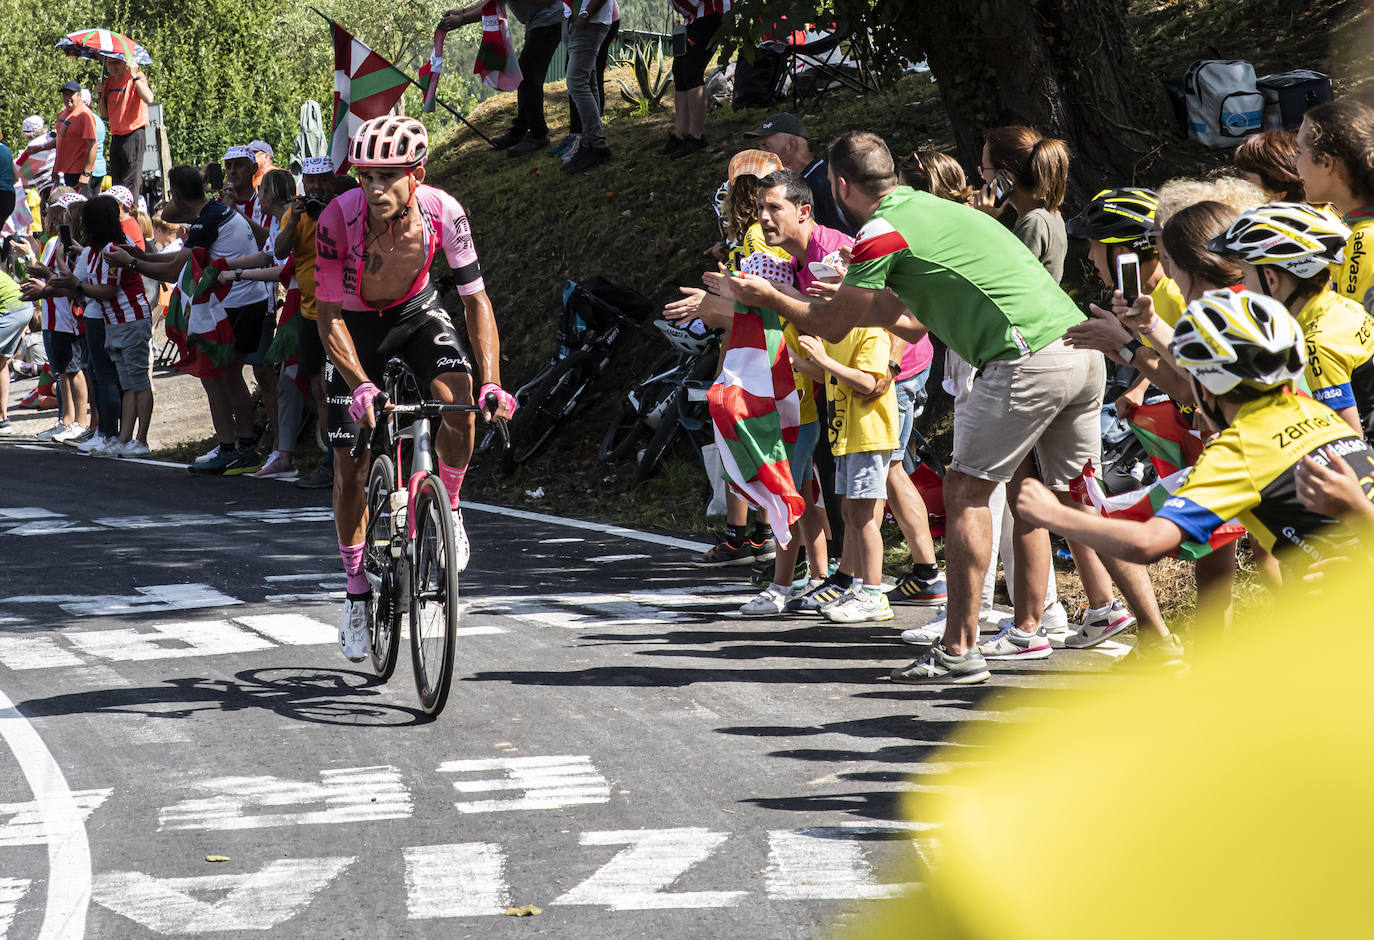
341	247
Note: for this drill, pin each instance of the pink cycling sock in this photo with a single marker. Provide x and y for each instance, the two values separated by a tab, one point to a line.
453	481
353	567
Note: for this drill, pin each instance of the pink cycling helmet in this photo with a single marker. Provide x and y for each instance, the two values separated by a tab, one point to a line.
392	140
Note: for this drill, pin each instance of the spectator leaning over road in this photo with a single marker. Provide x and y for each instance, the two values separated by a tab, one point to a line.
35	161
1269	159
1336	163
101	168
15	314
123	99
587	25
62	334
924	262
74	142
785	135
702	19
543	22
225	234
117	297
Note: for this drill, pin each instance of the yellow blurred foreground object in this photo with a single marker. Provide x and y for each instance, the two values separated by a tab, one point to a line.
1237	801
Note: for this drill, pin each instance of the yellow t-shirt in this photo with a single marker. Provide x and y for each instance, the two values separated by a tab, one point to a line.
806	389
753	241
1340	352
1354	276
859	426
305	261
1168	300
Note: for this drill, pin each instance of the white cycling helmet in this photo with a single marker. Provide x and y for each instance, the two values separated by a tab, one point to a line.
1300	239
1229	338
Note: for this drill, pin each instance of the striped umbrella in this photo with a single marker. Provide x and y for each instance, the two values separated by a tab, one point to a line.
102	43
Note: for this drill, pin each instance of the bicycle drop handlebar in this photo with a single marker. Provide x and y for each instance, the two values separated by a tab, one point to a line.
426	409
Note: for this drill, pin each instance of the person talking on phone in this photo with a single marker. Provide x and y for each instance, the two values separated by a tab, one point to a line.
1029	174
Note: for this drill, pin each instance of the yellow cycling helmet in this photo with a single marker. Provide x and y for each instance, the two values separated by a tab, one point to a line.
1118	217
1294	236
1229	338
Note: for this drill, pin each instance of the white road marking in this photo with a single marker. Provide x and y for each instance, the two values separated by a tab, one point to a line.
322	576
634	879
197	638
159	522
608	559
155	598
598	527
69	853
286	515
18	651
351	794
461	880
259	900
26	826
291	629
547	782
559	541
827	863
12	891
21	513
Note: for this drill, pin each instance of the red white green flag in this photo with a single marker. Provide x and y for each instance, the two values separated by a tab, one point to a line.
1167	436
496	59
365	86
1139	505
430	72
196	322
755	413
286	341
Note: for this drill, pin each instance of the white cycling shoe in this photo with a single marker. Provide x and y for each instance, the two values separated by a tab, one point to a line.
462	550
354	635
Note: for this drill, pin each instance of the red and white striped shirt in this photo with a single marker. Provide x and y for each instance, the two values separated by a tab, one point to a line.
59	314
129	302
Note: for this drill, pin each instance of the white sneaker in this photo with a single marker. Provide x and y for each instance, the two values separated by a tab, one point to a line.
94	442
859	607
279	466
206	457
110	448
769	603
51	432
460	541
1011	643
1102	627
354	629
74	434
1055	619
989	621
134	448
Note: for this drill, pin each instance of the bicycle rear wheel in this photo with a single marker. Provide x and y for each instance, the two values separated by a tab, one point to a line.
382	569
537	420
433	595
660	444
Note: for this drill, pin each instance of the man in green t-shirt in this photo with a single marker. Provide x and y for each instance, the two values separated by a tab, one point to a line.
921	262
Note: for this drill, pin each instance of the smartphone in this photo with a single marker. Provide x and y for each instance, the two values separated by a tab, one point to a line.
1128	277
1001	188
214	177
822	271
64	232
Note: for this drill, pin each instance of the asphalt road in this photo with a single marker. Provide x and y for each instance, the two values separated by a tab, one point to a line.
616	750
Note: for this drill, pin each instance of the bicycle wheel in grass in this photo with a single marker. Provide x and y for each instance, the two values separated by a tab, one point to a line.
433	595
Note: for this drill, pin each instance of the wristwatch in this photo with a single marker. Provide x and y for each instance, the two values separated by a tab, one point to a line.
1129	350
896	368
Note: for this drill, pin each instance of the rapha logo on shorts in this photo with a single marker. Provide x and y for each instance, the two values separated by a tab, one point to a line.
450	362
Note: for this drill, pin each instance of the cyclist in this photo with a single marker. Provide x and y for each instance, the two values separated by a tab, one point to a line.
375	300
1288	251
1244	352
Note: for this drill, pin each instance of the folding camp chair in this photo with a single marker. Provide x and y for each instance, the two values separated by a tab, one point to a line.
820	59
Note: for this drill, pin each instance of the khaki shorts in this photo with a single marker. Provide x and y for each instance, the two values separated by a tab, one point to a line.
1049	401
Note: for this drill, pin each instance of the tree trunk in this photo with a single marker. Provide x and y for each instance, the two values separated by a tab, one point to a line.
1063	67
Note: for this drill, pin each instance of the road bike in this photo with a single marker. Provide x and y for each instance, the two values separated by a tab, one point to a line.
411	543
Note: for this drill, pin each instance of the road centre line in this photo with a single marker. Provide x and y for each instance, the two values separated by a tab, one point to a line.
69	851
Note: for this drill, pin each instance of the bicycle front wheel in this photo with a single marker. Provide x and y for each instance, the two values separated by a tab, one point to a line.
433	595
535	424
382	569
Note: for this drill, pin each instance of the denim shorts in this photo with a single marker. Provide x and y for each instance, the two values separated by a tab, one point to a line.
808	435
910	392
862	475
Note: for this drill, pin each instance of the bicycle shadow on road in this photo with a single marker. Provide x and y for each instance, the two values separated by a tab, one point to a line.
319	696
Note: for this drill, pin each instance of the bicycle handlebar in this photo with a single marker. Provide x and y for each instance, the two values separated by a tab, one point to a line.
426	409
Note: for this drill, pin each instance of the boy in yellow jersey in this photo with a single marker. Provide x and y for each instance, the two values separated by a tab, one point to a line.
1286	250
863	434
1244	351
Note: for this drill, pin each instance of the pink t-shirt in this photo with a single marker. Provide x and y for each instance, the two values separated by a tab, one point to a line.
824	241
340	246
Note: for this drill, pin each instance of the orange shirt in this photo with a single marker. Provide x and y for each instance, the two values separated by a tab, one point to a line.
127	112
75	131
130	228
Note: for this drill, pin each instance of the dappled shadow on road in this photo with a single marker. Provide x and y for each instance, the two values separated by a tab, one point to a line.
320	696
673	677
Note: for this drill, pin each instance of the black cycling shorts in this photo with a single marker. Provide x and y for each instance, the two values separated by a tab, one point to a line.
419	332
